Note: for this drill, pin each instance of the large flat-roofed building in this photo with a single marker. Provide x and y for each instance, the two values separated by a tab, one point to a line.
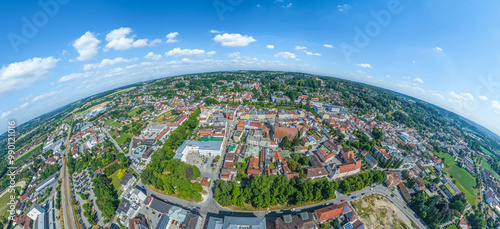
46	182
230	222
206	148
139	151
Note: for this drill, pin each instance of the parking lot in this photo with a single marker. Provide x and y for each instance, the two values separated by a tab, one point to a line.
203	163
152	217
82	183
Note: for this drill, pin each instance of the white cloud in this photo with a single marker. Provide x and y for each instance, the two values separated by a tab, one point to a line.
181	53
119	39
482	97
270	46
215	31
438	49
154	42
496	106
438	95
45	95
418	80
171	37
5	114
312	54
152	56
140	43
413	61
24	105
462	98
74	76
86	46
286	55
288	5
328	46
364	65
300	47
412	86
233	39
343	7
233	55
20	75
107	63
209	54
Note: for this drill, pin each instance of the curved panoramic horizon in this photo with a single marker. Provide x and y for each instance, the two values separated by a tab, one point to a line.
261	114
385	44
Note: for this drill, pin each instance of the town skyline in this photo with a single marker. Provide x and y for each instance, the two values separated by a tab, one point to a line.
89	58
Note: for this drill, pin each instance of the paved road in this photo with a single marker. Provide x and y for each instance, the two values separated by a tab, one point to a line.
114	142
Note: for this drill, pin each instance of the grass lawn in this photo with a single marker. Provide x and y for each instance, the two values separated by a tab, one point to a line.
465	182
132	113
485	151
448	159
161	118
451	226
485	165
120	140
3	203
115	181
27	153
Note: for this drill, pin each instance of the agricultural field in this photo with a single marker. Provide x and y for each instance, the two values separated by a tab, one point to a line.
485	165
28	153
465	182
448	159
485	151
378	212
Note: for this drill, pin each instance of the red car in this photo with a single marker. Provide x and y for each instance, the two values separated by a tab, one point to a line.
342	200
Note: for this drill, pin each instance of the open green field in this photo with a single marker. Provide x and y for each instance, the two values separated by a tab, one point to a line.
485	165
28	153
465	182
486	151
161	118
115	181
3	203
133	112
112	122
448	159
120	91
120	140
451	226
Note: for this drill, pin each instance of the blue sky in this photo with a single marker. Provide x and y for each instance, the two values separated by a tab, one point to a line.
444	52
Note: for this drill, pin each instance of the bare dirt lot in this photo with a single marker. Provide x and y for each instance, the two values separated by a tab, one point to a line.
378	212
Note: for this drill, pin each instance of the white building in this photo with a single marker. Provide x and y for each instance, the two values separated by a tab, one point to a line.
210	148
35	211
